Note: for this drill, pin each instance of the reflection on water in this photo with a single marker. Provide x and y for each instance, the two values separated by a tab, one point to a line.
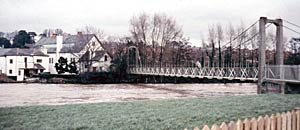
58	94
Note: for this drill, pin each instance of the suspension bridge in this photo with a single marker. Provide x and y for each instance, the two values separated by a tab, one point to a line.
259	73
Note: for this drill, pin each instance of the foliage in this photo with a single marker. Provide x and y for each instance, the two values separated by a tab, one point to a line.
72	68
4	42
164	114
294	58
62	65
21	39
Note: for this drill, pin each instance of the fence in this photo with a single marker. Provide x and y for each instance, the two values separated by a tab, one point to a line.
283	72
284	121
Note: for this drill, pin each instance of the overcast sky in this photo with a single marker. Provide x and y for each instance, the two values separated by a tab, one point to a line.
113	16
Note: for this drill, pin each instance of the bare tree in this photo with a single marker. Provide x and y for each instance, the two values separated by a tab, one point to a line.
220	38
229	53
241	45
156	31
212	40
92	30
254	45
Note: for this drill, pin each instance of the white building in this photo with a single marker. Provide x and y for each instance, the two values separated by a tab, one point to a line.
22	63
85	50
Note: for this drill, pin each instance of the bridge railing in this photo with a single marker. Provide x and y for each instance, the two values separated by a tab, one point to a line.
246	73
282	72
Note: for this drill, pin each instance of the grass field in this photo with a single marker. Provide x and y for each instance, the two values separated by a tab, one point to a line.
164	114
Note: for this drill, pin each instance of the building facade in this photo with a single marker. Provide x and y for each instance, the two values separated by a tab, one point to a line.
19	64
85	50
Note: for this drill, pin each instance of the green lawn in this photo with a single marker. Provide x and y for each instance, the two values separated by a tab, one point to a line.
165	114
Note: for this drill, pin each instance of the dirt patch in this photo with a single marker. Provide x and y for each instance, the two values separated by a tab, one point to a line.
59	94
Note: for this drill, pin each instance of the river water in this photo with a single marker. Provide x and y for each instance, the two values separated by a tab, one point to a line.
21	94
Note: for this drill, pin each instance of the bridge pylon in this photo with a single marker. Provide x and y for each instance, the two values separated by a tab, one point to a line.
262	49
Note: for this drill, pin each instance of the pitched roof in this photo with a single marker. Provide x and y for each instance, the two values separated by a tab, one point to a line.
71	43
3	51
98	55
21	52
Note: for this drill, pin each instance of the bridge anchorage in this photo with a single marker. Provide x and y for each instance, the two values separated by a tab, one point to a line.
261	73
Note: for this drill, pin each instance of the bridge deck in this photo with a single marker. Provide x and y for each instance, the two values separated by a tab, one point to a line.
287	74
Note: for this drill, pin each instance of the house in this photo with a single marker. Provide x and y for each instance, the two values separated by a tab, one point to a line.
85	50
19	64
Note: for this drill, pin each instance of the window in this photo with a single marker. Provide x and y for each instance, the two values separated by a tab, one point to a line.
93	43
11	61
50	60
105	58
25	59
10	71
72	59
19	72
39	60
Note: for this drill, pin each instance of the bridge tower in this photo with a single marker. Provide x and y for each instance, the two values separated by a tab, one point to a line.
137	55
262	48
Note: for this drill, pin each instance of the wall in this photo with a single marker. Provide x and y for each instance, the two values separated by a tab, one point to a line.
2	65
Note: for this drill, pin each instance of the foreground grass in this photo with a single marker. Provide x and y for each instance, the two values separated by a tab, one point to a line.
166	114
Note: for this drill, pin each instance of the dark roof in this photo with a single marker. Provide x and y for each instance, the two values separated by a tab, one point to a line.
71	43
38	66
21	52
3	51
98	55
46	40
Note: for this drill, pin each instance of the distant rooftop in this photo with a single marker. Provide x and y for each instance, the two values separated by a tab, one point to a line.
20	52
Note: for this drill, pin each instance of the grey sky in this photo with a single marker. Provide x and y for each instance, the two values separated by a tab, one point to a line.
113	15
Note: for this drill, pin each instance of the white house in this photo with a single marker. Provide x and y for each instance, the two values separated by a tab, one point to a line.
22	63
85	50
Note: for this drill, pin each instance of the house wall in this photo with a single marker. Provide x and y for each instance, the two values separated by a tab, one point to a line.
18	65
44	62
2	65
103	65
51	65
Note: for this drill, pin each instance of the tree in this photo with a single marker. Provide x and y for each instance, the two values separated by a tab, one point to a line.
21	39
229	52
4	43
294	58
62	65
220	38
2	34
254	45
211	39
92	30
72	68
50	32
157	31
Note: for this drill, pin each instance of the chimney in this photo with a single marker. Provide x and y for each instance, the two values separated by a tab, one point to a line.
79	33
54	35
59	42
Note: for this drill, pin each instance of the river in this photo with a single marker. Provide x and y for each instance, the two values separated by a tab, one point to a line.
21	94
